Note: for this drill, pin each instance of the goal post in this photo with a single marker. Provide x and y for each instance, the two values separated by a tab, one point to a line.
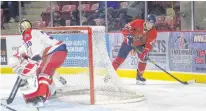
99	82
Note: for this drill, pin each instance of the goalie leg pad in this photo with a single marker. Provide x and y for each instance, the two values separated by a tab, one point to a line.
51	62
43	90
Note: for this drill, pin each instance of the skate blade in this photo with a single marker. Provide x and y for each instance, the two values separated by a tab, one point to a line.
140	82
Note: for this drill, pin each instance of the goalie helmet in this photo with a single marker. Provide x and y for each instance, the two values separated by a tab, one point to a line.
24	25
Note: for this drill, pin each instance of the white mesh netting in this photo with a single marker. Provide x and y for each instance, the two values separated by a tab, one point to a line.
107	85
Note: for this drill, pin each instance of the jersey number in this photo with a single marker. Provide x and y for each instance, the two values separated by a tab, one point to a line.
28	44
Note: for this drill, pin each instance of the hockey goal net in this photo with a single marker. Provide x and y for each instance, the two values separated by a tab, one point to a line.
92	79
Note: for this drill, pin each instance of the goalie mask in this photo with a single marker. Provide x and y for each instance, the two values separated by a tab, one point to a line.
24	25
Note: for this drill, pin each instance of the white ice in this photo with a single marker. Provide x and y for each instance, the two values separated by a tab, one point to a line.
160	96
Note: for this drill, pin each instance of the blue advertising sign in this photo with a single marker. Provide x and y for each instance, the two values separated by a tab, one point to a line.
180	51
158	53
77	46
199	46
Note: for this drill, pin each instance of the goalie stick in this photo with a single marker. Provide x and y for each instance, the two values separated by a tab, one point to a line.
7	107
25	108
17	85
14	90
183	82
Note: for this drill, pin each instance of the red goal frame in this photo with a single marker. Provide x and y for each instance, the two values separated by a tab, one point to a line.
90	54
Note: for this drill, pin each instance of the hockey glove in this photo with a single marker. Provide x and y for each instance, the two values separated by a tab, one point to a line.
129	40
143	56
36	58
23	52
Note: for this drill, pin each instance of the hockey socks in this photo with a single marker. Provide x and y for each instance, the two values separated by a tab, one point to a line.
117	62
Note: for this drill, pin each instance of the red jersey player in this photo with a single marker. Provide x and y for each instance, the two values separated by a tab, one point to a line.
39	45
142	35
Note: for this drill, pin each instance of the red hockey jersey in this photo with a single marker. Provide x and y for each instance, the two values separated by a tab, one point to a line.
141	37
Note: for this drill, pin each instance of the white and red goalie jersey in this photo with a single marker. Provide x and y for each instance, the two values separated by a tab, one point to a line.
38	42
51	51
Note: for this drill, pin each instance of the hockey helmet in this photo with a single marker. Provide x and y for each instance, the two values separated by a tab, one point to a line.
151	18
150	22
24	25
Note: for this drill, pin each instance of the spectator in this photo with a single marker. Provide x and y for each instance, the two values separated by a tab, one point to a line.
133	11
113	22
4	6
74	18
113	4
57	20
13	10
177	19
138	6
156	8
99	13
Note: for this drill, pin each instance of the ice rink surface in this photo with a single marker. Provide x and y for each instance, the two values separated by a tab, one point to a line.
160	96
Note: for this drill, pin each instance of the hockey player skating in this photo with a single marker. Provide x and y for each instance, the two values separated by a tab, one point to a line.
142	35
39	45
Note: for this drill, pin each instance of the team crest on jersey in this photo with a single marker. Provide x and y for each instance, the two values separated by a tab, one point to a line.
26	36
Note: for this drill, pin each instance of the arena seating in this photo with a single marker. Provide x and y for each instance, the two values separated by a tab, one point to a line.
54	8
68	8
39	24
161	23
67	22
95	6
85	7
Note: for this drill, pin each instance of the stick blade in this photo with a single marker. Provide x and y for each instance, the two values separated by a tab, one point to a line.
189	82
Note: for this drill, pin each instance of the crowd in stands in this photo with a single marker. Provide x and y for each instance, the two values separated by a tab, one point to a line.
93	13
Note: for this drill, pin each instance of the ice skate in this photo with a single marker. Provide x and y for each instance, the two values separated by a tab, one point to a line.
140	80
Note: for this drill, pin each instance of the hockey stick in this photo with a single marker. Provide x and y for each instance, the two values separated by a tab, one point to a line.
7	107
185	83
14	91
